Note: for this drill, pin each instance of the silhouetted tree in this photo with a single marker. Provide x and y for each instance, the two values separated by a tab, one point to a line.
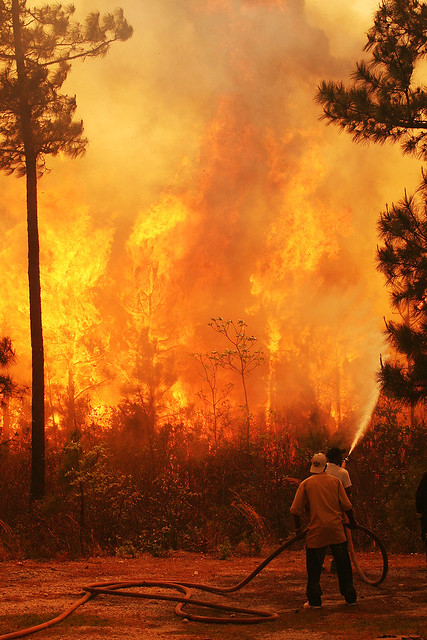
242	358
147	342
216	397
37	45
7	357
403	260
384	102
9	389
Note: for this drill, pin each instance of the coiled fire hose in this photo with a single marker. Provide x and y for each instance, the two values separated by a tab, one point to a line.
353	555
185	590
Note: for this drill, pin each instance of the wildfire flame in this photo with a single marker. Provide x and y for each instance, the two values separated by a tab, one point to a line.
209	188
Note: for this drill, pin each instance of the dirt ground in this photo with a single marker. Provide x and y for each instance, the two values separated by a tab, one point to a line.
32	592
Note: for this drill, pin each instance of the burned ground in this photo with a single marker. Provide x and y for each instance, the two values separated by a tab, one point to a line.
34	591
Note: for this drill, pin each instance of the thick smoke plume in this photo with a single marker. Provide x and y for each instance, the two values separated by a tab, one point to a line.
210	188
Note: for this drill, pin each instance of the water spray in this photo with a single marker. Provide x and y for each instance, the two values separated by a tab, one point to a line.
365	420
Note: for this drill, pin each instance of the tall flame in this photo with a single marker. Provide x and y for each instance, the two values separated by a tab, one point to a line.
209	188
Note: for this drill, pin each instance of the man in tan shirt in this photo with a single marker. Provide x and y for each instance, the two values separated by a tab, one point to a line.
326	501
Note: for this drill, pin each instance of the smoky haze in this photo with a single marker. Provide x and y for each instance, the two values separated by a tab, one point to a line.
210	188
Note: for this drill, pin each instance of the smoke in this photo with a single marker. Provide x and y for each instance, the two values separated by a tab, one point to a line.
210	187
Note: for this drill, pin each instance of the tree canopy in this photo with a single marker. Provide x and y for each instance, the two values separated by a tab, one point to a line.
385	100
403	260
48	40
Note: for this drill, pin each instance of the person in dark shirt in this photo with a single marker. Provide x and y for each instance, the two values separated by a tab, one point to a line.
421	507
335	468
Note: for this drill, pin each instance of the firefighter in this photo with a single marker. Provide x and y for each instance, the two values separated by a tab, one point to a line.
326	501
334	468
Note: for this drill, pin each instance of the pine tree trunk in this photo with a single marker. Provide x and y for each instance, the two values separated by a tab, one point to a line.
37	488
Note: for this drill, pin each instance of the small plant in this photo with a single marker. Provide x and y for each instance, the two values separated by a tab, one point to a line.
224	549
158	551
255	544
242	357
126	550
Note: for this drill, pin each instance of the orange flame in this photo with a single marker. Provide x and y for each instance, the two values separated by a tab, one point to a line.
209	188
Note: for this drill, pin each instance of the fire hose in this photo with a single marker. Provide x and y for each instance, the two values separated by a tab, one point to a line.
185	590
377	580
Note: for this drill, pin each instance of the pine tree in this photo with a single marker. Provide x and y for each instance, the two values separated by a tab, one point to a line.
403	260
7	357
384	102
37	45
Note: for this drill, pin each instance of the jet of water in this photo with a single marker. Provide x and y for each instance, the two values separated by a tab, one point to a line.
369	410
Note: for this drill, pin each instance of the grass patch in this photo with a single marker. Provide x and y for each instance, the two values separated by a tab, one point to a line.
85	620
16	622
338	622
396	623
362	625
13	622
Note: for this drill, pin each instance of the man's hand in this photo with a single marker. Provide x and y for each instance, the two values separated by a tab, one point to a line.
297	522
351	524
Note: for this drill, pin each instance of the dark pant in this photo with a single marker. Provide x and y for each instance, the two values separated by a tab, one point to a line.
423	523
314	560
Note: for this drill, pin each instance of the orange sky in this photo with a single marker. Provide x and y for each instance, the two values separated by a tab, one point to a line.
211	188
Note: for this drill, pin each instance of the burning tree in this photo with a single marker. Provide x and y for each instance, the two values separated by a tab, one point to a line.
216	397
147	341
7	357
242	358
8	388
37	45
